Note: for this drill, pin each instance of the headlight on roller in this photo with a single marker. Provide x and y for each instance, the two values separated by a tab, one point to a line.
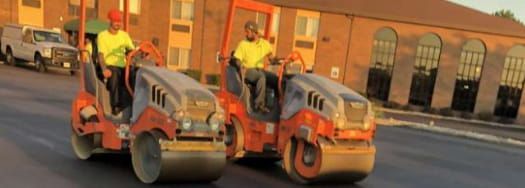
186	123
339	121
182	119
369	120
216	120
47	52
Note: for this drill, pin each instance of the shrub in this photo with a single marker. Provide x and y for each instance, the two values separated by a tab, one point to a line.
486	116
505	120
392	104
446	112
466	115
430	110
213	79
195	74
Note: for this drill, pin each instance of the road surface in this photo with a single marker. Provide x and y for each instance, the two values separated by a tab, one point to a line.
35	149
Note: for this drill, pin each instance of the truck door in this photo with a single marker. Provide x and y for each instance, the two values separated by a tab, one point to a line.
28	45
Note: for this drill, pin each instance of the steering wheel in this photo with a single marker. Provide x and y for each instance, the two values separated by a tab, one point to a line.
146	50
293	57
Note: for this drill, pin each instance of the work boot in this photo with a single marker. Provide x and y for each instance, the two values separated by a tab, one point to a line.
263	109
116	111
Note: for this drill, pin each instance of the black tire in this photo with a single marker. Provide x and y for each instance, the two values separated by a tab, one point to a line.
234	139
72	73
146	157
40	66
83	146
9	58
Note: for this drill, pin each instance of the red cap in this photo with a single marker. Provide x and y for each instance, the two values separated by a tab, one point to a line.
115	15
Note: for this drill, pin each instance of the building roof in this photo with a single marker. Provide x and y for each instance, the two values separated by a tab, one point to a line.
428	12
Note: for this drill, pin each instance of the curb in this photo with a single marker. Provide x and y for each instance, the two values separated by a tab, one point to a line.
485	123
449	131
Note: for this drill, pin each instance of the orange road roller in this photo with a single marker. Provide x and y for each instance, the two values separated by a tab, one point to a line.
174	128
320	129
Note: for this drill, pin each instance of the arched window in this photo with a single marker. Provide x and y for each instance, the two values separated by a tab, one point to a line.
382	64
511	85
425	70
468	76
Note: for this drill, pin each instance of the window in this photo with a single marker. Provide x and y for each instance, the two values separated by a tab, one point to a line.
260	18
134	6
91	8
179	57
307	26
382	64
425	70
28	36
32	3
511	85
468	76
182	10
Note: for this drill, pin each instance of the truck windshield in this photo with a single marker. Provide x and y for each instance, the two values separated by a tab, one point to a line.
42	36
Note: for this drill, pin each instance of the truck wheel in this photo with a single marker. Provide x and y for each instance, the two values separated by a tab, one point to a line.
234	139
10	59
39	64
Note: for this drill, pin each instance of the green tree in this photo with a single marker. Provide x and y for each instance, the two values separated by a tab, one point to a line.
507	14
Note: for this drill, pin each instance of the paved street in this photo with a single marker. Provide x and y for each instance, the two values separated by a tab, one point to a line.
35	149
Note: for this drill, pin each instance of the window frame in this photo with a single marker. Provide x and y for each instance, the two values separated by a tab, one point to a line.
179	59
426	67
468	76
379	83
512	83
32	3
173	15
310	20
139	7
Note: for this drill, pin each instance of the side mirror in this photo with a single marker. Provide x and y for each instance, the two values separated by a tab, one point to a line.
218	58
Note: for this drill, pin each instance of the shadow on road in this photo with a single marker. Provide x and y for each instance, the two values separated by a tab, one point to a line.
274	169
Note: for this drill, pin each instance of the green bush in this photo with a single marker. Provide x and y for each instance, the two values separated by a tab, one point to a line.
430	110
392	105
213	79
446	112
486	116
466	115
195	74
506	120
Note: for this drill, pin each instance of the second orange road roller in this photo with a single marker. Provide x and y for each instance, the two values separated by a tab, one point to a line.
320	129
173	129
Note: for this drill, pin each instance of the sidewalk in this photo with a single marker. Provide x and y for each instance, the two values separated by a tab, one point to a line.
473	129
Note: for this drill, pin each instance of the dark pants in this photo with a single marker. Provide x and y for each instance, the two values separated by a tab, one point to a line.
118	95
260	79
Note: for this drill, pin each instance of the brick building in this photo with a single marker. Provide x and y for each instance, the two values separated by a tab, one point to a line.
431	54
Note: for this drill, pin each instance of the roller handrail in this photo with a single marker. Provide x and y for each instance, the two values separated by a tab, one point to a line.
149	50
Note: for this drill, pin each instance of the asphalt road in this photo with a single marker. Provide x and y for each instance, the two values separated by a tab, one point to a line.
35	149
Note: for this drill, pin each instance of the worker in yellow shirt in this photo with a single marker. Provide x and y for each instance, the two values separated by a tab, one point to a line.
112	46
251	54
88	46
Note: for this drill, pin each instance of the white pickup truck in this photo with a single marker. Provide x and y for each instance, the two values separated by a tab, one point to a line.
44	47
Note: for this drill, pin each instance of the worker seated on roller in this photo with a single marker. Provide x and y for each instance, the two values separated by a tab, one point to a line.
251	54
112	46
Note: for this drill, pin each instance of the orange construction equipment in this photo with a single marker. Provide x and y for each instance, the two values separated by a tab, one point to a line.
320	129
174	128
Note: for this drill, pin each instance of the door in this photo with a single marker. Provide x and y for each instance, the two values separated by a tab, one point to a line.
306	31
180	35
28	45
31	12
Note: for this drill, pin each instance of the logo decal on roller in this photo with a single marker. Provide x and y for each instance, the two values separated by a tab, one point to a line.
357	105
202	103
